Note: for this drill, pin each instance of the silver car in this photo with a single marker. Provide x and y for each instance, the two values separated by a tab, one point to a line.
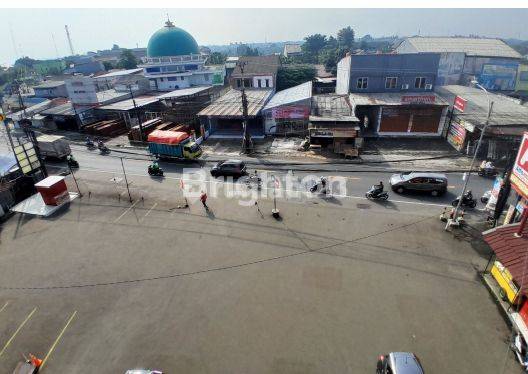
399	363
433	183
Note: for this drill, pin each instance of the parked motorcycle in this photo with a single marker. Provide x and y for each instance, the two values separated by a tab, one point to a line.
375	193
467	200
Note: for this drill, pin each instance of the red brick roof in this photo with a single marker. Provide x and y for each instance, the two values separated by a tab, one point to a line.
511	251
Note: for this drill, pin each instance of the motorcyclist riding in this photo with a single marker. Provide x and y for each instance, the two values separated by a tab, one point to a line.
154	166
377	188
101	144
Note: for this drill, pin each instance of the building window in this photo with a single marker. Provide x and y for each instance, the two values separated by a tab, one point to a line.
182	78
419	82
161	79
259	83
172	79
362	83
267	83
239	83
391	82
247	82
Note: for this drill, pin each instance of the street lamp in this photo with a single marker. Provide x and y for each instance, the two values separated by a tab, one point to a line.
453	221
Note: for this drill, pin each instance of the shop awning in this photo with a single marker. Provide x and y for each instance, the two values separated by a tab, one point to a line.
511	251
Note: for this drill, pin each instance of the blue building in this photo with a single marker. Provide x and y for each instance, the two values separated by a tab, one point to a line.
392	95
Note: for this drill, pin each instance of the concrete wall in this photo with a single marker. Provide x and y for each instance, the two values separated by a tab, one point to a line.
405	67
51	92
343	76
82	90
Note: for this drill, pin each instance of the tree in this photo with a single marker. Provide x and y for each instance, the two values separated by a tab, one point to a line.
25	62
313	44
293	75
108	65
216	58
345	37
127	60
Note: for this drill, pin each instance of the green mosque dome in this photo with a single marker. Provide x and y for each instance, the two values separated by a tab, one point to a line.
171	41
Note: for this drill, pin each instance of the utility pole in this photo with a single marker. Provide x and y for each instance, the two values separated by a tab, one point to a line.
136	111
247	142
454	220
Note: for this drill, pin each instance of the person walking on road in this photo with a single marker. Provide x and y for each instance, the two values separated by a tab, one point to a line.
203	199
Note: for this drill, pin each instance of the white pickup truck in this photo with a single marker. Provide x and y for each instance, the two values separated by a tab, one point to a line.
53	146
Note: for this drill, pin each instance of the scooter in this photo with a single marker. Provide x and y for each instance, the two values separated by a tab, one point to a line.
155	172
490	171
375	194
316	185
103	149
467	200
73	163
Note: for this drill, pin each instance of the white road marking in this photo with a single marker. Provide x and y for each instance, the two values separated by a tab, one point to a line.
126	211
148	212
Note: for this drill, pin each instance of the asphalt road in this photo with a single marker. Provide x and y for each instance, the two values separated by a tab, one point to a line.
359	177
107	285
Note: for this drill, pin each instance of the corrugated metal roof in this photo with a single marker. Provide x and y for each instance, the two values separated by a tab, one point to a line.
120	73
230	104
257	65
184	92
65	109
104	97
470	46
393	98
128	104
332	107
290	95
506	111
49	84
511	251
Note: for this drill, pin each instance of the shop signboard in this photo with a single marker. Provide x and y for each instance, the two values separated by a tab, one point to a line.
291	112
456	136
460	104
418	99
519	176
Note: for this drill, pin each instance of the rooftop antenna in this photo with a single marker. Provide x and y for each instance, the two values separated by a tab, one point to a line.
69	40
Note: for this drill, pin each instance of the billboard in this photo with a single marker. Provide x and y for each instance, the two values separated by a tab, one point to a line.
460	104
418	99
456	136
450	68
522	78
498	76
519	175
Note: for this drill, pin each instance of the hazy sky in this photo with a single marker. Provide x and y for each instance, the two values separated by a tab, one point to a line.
93	29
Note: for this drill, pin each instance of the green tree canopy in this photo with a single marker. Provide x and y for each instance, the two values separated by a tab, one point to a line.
313	44
345	37
293	75
216	58
127	60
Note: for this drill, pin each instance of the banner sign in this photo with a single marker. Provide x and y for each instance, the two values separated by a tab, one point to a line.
418	99
291	112
460	104
519	176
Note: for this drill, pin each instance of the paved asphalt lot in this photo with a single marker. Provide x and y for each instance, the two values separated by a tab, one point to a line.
107	285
